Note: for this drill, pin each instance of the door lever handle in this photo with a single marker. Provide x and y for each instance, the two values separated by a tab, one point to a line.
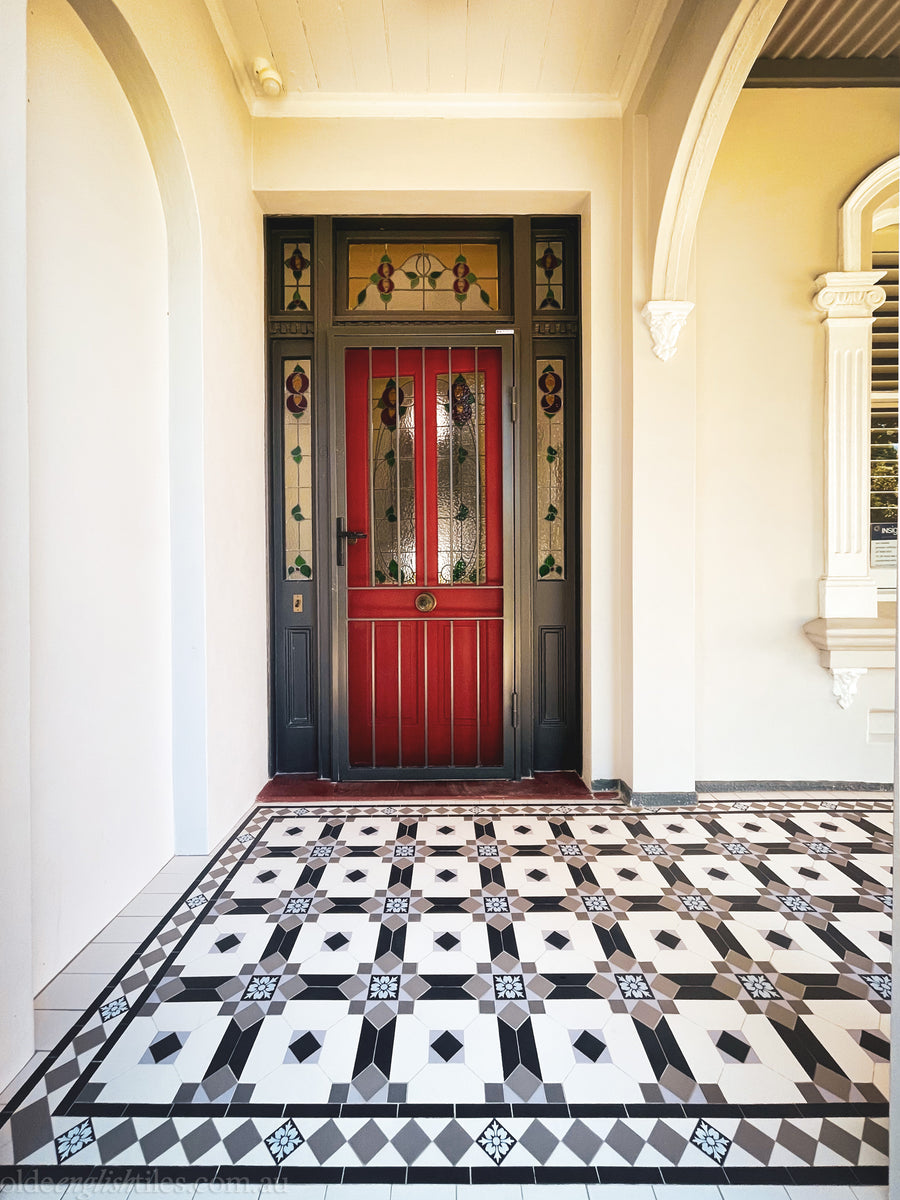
352	536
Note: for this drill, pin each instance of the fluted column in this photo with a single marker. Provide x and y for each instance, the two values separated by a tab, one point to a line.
848	300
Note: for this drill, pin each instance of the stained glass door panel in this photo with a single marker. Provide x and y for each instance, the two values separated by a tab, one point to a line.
425	587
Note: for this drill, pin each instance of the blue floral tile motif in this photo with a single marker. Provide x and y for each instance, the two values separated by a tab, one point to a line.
113	1008
759	987
509	987
735	847
496	904
634	986
196	900
797	904
888	899
322	851
880	984
244	838
570	849
653	848
384	987
69	1143
396	904
818	847
596	903
261	987
715	1145
404	850
695	904
488	851
284	1141
297	906
496	1141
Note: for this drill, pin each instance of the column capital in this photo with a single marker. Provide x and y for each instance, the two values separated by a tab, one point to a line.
665	319
848	293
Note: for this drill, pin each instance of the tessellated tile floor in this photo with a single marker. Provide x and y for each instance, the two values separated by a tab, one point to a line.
525	993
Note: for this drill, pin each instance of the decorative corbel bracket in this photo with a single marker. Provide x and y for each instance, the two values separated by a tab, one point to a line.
665	319
846	681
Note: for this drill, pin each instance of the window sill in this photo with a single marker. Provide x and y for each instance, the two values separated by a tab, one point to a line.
845	643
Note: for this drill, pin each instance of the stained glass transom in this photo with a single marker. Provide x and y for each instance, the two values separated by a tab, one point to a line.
393	465
460	477
423	277
549	293
298	525
297	277
551	467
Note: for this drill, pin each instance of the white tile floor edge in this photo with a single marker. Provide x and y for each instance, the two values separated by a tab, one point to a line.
86	1191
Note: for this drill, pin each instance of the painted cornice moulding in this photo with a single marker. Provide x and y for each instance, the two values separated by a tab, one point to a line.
459	105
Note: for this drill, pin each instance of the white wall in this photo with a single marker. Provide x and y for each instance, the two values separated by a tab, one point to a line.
496	166
98	394
768	226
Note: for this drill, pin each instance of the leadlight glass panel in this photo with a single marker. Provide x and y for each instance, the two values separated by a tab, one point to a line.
297	276
551	537
460	477
423	277
298	525
549	293
393	465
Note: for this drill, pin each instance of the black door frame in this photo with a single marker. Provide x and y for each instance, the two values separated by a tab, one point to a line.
526	334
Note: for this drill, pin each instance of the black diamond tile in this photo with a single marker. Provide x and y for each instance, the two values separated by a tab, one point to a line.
369	830
227	943
445	829
731	1046
668	939
166	1046
446	941
336	941
591	1047
557	939
808	873
447	1045
523	829
355	876
625	873
266	876
779	939
303	1046
536	875
445	875
717	874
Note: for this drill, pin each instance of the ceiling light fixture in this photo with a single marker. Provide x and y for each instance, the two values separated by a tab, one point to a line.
269	79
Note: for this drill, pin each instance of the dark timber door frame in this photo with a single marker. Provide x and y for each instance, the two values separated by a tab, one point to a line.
542	636
377	336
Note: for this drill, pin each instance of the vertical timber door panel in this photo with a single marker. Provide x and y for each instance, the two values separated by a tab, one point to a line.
425	594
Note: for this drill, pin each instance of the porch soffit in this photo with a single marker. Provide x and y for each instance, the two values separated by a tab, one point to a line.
479	58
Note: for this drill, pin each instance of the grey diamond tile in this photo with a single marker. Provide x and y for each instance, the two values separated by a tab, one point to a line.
326	1140
454	1142
539	1141
582	1141
410	1142
368	1141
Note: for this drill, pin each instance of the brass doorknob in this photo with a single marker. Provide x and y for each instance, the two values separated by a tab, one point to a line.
425	602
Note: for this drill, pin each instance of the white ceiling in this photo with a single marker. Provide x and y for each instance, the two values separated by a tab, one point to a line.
437	57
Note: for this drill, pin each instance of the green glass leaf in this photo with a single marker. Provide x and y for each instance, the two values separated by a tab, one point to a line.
306	571
297	514
461	455
434	277
458	571
393	569
299	560
552	454
297	454
485	298
462	512
390	513
374	277
380	576
543	570
552	512
550	560
413	278
386	258
361	297
291	570
390	458
386	296
471	278
460	258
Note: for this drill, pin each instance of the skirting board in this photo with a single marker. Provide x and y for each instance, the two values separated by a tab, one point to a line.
664	799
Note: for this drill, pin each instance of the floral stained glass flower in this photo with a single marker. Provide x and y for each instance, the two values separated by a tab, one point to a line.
297	263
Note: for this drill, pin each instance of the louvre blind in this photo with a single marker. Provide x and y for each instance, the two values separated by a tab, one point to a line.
883	424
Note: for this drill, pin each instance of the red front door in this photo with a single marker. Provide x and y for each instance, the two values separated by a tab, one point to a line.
425	587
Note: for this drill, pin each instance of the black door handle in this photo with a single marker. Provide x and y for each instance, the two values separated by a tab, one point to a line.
349	535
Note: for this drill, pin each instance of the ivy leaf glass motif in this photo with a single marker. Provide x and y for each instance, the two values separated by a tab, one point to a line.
449	276
297	280
550	417
459	412
298	534
549	263
392	446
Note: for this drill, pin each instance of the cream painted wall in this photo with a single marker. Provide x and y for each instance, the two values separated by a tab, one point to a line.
98	397
768	226
495	167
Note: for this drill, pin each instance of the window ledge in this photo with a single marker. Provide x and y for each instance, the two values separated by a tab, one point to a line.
855	642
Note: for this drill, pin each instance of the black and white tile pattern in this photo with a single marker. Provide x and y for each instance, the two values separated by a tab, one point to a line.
390	993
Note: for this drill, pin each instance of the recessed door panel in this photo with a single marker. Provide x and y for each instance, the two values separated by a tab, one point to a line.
424	558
